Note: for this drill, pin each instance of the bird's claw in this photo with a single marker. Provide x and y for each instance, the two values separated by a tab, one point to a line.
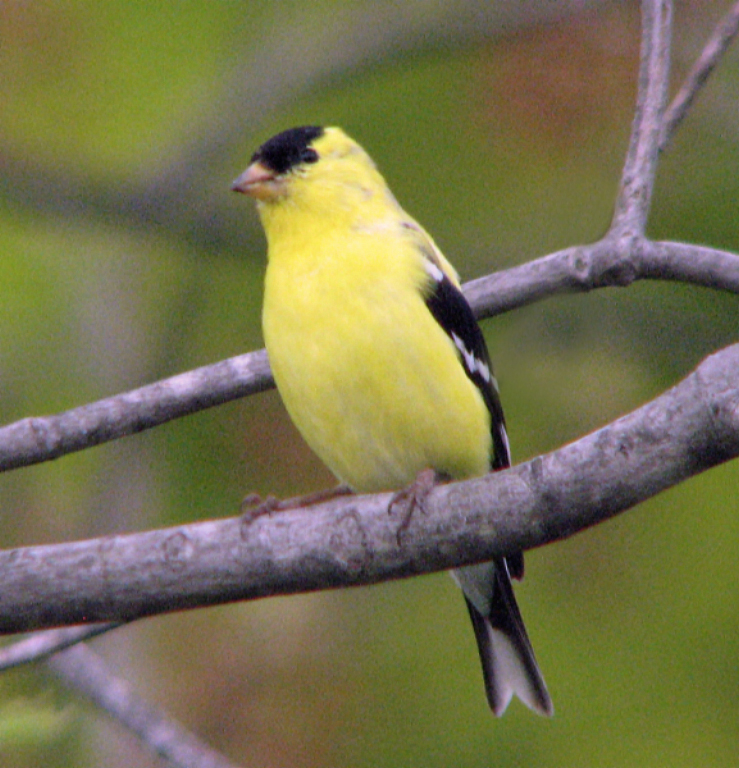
253	506
410	498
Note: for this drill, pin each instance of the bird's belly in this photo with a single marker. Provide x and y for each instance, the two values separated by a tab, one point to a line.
376	398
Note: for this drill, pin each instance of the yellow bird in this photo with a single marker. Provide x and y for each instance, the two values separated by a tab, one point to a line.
379	360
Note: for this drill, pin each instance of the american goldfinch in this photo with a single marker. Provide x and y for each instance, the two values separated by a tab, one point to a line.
379	360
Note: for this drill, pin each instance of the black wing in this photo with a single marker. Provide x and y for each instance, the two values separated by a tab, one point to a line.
450	309
509	666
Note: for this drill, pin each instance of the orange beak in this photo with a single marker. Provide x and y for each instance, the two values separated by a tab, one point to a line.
256	181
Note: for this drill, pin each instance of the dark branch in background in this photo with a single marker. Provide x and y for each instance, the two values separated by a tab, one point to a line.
686	430
290	63
82	669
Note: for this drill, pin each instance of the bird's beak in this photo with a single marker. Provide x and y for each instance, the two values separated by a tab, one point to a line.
256	181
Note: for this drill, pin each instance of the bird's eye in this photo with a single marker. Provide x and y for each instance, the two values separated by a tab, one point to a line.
309	156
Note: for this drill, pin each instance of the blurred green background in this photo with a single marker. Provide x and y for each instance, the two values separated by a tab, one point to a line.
125	258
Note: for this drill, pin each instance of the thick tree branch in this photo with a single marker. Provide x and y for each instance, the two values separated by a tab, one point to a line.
686	430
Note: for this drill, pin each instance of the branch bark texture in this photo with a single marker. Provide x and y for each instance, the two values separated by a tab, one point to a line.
686	430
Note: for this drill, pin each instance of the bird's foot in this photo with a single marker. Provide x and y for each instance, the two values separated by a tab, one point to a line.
254	506
412	497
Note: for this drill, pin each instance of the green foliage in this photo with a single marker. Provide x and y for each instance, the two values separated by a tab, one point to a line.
505	151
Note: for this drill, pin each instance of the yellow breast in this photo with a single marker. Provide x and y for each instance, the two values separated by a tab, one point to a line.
372	382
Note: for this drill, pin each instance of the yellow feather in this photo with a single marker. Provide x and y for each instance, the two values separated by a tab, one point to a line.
370	379
373	382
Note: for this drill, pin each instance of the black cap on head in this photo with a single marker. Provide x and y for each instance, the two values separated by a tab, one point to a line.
289	149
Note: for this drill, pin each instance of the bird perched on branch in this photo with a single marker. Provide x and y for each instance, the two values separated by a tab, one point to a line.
379	360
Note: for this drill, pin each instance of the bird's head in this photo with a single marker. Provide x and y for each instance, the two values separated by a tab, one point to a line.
312	167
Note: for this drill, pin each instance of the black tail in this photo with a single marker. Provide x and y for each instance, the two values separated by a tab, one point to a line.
508	663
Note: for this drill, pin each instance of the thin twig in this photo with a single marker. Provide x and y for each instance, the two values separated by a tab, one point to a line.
41	645
640	168
36	439
82	669
714	49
